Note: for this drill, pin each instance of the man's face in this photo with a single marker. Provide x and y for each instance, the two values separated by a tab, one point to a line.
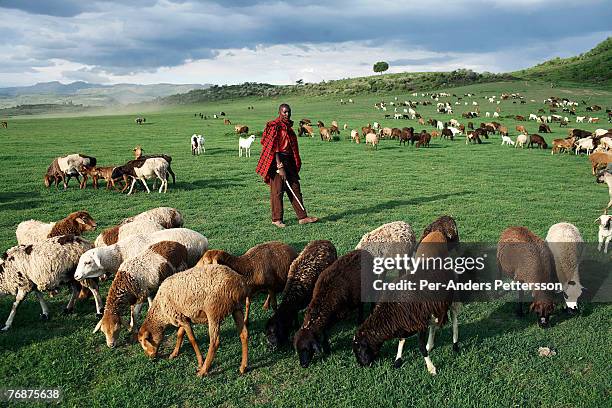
285	112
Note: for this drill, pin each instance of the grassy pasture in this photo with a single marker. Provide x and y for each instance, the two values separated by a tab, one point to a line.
353	189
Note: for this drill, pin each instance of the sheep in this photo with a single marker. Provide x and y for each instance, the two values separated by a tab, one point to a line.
563	144
525	257
593	120
605	232
585	144
520	141
336	294
600	132
388	240
240	129
447	226
303	274
32	231
354	135
156	167
138	155
566	245
55	175
507	140
413	314
204	294
245	143
196	144
605	177
372	139
97	173
536	139
42	266
152	220
136	282
265	267
580	119
106	260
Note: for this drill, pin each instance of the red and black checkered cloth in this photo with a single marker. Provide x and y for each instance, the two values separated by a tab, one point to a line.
270	140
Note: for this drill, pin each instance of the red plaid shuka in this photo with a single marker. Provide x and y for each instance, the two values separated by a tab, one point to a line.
269	141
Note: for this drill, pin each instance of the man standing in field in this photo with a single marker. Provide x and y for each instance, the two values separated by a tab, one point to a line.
279	165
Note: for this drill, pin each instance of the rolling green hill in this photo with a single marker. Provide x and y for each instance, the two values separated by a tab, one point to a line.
592	67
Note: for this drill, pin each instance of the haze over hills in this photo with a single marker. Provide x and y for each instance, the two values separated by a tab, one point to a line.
89	94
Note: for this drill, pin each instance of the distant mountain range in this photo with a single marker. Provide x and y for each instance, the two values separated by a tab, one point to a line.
89	94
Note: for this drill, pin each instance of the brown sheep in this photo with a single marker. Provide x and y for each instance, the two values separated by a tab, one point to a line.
32	231
520	117
240	129
305	129
336	294
525	257
599	159
303	275
503	130
447	226
563	144
325	134
97	173
521	129
54	174
265	267
366	129
201	295
413	314
544	128
227	122
395	133
424	139
537	140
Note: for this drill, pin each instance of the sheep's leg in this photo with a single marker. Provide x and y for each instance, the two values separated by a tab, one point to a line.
92	285
454	317
244	337
132	187
135	312
213	333
187	327
76	288
247	307
43	305
423	349
432	336
398	356
21	294
519	304
179	342
606	245
145	184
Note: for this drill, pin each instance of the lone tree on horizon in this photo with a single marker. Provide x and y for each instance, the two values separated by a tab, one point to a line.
381	66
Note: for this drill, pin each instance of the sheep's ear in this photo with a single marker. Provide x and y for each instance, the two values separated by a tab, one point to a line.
98	326
80	220
96	259
316	347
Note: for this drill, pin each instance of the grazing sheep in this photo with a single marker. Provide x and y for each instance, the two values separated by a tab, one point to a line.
585	144
97	173
605	177
521	129
303	275
506	140
412	315
202	295
136	282
106	260
566	245
151	220
520	141
388	240
605	232
241	129
265	268
245	143
39	267
354	135
156	167
372	139
563	144
138	155
337	293
537	140
32	231
447	226
424	139
55	175
525	257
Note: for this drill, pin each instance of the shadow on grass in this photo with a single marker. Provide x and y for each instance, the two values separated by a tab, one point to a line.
20	205
17	195
392	204
215	151
210	183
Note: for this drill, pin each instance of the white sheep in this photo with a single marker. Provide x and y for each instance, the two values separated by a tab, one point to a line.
372	138
389	240
520	141
506	140
455	131
118	233
106	260
533	117
495	115
605	142
32	231
566	245
245	143
43	266
376	126
197	144
354	135
137	281
585	144
155	167
580	119
605	232
600	132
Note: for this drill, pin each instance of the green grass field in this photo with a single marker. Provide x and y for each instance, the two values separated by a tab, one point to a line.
353	189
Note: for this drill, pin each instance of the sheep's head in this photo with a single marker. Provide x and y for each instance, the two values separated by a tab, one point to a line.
543	308
149	341
212	256
605	221
90	266
306	344
363	350
276	332
110	325
571	292
138	152
85	220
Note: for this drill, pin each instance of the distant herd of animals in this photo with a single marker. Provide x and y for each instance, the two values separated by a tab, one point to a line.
153	258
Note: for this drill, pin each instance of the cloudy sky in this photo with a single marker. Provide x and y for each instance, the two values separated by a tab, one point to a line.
233	41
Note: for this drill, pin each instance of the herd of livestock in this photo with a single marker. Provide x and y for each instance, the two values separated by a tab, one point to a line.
152	258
